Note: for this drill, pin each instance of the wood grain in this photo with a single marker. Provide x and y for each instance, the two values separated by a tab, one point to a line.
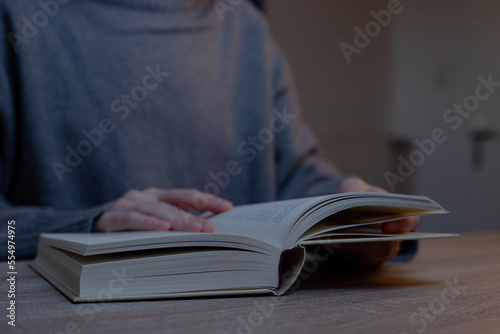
453	286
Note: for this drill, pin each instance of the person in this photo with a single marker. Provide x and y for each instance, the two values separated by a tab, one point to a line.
129	114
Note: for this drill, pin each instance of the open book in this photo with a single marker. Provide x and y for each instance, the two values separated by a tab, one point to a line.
256	248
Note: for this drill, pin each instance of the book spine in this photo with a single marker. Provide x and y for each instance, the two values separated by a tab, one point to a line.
291	263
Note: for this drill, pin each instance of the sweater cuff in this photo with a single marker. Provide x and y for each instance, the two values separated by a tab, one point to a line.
407	252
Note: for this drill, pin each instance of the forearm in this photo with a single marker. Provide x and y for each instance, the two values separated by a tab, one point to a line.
30	222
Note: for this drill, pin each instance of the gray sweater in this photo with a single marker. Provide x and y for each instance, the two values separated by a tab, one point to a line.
98	97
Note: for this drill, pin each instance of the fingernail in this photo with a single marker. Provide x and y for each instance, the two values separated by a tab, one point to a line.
223	204
208	227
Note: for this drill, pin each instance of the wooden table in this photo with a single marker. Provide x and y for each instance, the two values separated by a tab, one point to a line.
453	286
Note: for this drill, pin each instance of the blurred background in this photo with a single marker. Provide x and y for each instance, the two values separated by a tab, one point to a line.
396	90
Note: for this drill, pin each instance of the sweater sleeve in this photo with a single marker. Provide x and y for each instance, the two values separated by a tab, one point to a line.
301	171
30	221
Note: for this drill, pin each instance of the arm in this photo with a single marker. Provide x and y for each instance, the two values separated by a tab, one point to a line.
31	221
301	171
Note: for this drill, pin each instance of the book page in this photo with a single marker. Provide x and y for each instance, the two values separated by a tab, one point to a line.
268	227
101	243
353	209
270	222
343	238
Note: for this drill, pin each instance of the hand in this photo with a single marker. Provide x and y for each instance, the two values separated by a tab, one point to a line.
372	254
156	209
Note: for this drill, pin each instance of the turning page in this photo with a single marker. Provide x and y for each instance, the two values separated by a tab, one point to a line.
270	222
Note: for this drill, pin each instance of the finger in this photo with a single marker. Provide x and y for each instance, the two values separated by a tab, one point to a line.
114	221
375	189
180	220
414	222
401	225
131	198
192	199
382	252
352	184
395	226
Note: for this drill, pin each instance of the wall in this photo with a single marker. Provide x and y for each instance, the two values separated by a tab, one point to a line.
345	104
427	59
440	49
